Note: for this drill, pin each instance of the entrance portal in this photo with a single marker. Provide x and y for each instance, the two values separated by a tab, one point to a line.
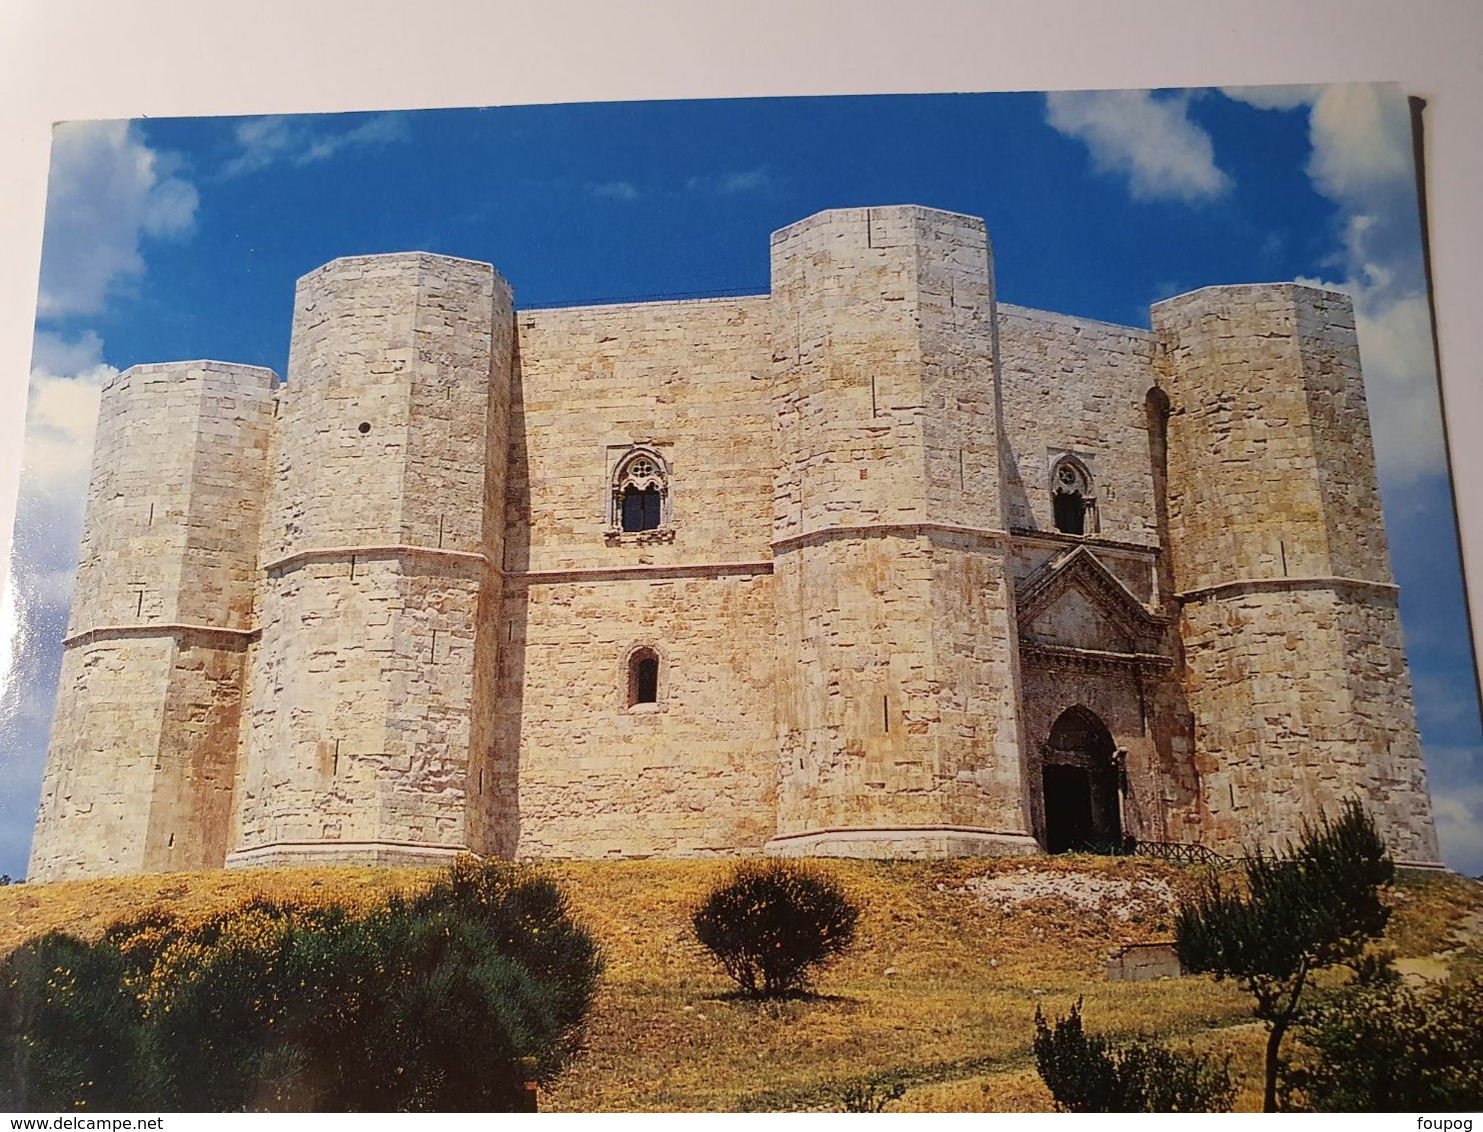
1080	780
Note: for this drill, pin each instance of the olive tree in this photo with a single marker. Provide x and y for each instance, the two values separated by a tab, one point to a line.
1313	906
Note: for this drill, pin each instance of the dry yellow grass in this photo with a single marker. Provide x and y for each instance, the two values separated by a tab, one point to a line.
939	994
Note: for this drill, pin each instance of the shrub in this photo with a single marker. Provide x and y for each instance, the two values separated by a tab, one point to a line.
1090	1074
772	923
1382	1046
449	1000
427	1003
69	1030
871	1094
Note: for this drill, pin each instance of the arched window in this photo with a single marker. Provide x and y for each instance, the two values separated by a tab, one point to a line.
643	677
640	492
1072	501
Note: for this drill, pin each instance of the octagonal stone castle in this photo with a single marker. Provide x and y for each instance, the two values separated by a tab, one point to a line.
869	565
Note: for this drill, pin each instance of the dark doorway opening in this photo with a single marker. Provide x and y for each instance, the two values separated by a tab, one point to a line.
1081	786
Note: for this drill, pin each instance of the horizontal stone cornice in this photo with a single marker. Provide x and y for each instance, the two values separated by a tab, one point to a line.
1242	586
345	553
821	535
1067	656
637	571
239	858
969	830
230	638
1029	537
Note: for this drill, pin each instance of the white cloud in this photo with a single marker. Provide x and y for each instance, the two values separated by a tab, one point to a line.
1459	818
734	183
61	415
1400	383
13	642
302	140
750	181
1288	97
1362	161
1146	137
107	191
617	190
51	353
1361	143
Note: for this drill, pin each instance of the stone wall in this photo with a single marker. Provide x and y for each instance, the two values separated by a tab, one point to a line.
581	771
1077	386
1301	701
594	775
1140	962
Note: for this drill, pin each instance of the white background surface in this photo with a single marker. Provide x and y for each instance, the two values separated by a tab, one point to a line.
61	59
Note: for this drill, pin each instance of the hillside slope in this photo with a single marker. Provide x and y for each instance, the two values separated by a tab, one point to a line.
939	995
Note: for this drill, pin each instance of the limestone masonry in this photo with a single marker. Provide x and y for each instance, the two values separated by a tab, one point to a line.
869	565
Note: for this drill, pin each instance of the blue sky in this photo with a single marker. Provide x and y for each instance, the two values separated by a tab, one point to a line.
182	238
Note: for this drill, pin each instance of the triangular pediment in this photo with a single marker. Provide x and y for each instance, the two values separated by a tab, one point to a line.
1075	620
1076	602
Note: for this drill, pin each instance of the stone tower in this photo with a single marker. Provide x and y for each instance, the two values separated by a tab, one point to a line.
1295	670
897	687
365	739
144	745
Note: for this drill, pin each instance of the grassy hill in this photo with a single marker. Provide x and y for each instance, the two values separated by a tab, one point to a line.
939	994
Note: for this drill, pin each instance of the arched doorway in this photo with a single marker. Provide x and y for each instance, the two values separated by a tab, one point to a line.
1081	788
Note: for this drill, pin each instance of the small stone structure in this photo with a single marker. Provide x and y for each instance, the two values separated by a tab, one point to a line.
1139	962
868	565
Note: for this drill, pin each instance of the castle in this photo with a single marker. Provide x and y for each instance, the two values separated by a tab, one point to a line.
869	565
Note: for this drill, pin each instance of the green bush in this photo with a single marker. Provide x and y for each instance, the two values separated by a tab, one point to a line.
772	923
1090	1074
1382	1046
450	1000
70	1032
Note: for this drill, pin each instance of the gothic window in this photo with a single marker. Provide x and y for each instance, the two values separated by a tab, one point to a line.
643	677
1072	501
640	493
